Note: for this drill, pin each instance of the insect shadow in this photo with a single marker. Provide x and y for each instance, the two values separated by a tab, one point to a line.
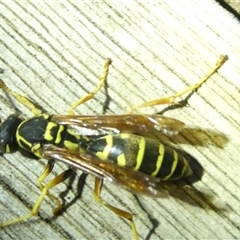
81	180
183	189
195	136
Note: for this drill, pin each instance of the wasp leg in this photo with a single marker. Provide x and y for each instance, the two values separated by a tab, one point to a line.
62	177
46	172
121	213
23	100
171	99
92	94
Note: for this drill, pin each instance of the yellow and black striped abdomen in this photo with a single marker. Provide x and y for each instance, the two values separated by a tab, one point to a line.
142	154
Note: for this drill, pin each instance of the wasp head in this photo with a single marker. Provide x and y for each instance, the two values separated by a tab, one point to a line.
8	128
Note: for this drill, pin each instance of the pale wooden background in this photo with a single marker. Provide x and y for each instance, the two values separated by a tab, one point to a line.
53	52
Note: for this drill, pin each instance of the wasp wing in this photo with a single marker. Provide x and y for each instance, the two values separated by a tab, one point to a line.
86	161
137	123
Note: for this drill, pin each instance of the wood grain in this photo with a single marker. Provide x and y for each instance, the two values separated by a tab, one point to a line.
53	52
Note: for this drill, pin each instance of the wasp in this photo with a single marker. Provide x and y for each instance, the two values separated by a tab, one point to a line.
110	147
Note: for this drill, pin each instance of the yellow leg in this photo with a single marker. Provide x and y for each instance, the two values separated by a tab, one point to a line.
168	100
121	213
23	100
62	177
92	94
46	172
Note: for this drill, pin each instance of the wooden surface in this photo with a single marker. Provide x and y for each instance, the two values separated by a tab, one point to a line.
53	52
233	6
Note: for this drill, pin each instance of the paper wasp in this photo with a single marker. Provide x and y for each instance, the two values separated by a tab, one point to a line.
111	151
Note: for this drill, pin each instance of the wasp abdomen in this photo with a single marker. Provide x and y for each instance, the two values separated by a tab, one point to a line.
142	154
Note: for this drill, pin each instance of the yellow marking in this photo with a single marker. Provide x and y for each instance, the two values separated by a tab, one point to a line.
58	138
47	134
20	139
73	133
121	160
104	154
159	160
8	149
84	138
141	151
36	150
70	146
184	170
45	115
125	135
187	171
174	164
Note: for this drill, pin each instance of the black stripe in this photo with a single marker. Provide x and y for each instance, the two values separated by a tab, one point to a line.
66	136
97	145
118	148
24	145
150	157
179	168
167	163
53	131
